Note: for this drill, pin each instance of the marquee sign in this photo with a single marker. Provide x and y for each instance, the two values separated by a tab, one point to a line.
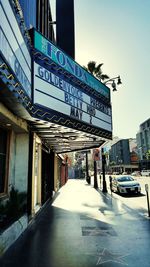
55	93
58	56
13	47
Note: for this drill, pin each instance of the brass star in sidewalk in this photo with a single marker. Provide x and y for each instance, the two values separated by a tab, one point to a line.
107	256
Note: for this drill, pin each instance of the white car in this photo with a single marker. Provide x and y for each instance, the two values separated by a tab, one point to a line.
125	184
136	173
145	172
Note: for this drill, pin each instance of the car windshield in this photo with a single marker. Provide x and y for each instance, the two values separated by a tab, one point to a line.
125	179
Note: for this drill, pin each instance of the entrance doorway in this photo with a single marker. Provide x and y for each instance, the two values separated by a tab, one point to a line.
36	175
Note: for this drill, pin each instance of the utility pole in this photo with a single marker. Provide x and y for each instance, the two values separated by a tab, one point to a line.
103	170
88	178
96	157
95	175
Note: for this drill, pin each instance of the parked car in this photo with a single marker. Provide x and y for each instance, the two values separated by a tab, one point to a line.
145	172
125	184
136	173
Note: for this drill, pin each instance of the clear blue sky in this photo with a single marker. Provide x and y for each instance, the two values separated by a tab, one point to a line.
116	33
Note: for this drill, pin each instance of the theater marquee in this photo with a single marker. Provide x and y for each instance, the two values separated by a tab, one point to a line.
59	57
53	92
64	93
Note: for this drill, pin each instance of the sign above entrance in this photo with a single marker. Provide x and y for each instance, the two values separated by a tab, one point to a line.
63	98
59	57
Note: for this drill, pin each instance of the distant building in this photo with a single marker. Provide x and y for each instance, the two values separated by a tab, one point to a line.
123	156
65	17
143	144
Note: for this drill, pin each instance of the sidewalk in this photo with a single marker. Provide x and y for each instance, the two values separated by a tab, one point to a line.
83	228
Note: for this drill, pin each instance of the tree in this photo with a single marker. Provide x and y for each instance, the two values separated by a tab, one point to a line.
147	155
96	70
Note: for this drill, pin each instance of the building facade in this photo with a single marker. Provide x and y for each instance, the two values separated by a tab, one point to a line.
143	145
37	14
63	17
49	106
123	156
27	176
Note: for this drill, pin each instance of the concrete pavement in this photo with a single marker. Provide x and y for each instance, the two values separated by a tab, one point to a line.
83	228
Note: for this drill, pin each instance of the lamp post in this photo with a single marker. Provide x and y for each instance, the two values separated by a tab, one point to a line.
103	170
95	175
112	82
66	168
88	178
96	157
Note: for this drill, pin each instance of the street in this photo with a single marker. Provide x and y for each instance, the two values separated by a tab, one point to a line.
136	202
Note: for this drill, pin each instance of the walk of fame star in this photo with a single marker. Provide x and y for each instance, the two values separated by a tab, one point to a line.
107	256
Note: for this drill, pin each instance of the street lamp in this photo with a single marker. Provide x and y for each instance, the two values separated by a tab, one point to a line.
88	178
113	83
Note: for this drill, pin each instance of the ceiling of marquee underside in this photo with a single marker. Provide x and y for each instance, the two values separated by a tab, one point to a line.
57	137
63	139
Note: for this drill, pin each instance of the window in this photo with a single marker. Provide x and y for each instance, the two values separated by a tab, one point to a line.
3	159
